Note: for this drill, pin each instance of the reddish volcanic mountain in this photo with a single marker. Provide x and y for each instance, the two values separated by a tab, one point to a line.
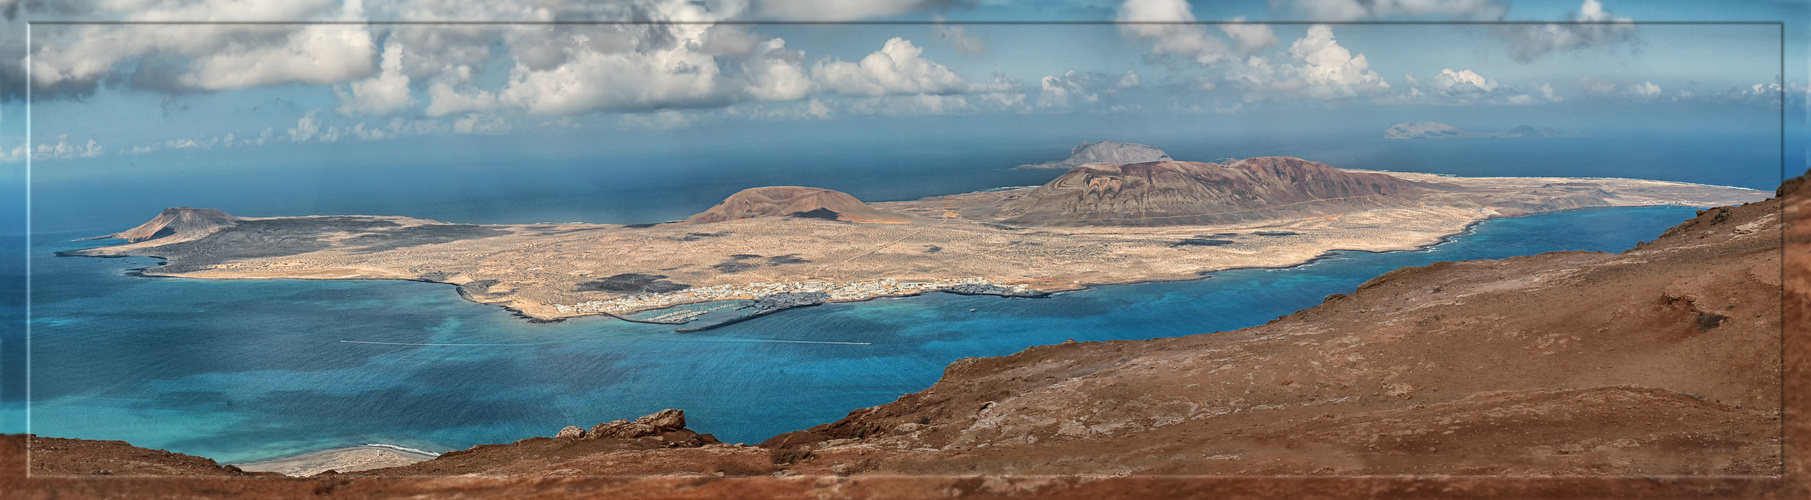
777	201
182	222
1178	192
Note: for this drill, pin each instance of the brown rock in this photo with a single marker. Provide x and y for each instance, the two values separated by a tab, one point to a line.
666	420
571	431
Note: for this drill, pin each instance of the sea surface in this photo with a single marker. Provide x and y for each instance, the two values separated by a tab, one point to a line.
247	370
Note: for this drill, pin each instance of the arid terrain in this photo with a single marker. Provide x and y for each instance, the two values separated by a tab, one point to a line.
1659	367
791	246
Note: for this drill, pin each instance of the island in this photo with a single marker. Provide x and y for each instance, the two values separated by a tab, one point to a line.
775	248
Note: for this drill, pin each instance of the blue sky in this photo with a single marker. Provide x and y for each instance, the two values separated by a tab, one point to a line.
112	98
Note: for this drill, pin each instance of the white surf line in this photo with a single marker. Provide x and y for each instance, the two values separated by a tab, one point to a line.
439	345
771	341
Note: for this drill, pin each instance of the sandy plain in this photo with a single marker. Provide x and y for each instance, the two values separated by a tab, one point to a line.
950	243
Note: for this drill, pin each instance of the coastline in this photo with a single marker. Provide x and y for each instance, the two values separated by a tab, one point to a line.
346	459
998	288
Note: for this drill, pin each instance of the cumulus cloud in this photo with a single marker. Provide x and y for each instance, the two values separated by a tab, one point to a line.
671	75
1349	10
1064	91
386	93
1184	40
1592	26
775	73
63	149
1327	70
14	154
316	54
1463	82
1643	89
1546	91
898	68
306	127
73	60
1128	81
479	123
1249	38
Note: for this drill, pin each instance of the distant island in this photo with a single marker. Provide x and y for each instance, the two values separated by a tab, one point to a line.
1116	153
1437	130
791	246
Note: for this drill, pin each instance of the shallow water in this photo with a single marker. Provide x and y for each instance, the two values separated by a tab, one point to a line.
247	370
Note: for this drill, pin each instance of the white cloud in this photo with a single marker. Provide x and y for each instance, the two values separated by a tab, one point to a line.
1594	26
478	123
775	73
1463	82
1327	70
444	99
307	127
817	109
660	120
15	154
1129	81
314	54
1249	38
1546	91
1644	89
1064	91
1186	40
1348	10
911	105
64	150
897	68
387	93
628	81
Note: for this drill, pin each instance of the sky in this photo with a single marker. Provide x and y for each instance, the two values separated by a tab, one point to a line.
329	76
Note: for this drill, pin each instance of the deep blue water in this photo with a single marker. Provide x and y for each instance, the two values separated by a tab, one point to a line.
245	370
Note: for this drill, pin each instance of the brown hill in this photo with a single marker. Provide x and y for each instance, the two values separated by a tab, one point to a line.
779	201
181	222
1661	360
1178	193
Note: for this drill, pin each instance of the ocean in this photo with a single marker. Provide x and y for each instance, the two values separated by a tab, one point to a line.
247	370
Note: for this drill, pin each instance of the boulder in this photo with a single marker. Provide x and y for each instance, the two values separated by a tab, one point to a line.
571	431
666	420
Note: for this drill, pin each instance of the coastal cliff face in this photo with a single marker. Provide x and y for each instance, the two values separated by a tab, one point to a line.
779	201
1182	193
1116	153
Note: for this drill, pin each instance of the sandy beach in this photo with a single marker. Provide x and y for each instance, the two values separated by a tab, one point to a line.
356	458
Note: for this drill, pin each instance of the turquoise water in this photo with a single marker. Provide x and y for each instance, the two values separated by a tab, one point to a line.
246	370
